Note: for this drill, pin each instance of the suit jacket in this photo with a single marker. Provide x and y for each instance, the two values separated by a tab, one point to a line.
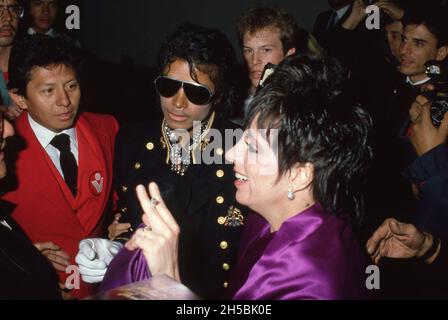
24	272
325	24
312	256
202	202
45	207
430	173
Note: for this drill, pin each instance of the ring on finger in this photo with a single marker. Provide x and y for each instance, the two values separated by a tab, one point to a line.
154	201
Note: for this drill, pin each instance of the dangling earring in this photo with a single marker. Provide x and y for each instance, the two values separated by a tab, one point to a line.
291	195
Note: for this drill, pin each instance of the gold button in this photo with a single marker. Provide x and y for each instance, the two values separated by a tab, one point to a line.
124	209
221	220
124	188
150	146
223	245
225	285
220	200
137	165
225	266
220	173
219	151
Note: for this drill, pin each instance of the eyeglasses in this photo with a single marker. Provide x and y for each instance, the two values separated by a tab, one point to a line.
197	93
15	11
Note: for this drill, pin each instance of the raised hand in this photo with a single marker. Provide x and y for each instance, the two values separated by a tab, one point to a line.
159	239
425	136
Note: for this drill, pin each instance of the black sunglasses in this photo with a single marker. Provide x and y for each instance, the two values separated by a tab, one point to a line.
197	93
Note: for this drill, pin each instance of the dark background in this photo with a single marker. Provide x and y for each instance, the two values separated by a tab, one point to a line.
122	38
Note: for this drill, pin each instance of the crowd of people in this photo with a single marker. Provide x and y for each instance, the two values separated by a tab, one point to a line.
333	157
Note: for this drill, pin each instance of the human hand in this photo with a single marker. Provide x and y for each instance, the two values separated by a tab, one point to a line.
392	10
58	258
94	257
424	135
159	239
116	228
357	14
394	239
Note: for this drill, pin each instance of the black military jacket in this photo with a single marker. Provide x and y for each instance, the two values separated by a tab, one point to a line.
202	201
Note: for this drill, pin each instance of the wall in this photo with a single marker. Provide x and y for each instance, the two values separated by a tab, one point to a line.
112	29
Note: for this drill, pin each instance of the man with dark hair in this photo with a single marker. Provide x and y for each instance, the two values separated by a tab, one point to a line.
412	154
424	39
64	171
193	86
42	15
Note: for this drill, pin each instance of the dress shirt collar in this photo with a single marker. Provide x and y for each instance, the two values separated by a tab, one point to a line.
45	135
50	32
341	12
417	83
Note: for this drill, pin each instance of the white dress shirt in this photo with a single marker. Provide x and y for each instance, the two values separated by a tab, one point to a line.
45	136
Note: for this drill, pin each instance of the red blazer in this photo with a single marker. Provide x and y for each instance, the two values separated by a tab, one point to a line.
46	209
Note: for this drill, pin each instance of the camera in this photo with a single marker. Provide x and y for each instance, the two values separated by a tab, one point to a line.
437	72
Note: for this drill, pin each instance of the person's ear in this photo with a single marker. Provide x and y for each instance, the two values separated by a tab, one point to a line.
290	52
18	99
301	176
442	53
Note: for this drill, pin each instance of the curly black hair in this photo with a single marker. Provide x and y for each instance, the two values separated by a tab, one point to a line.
40	51
206	49
317	123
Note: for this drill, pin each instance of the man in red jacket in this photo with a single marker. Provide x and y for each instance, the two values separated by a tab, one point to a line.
64	170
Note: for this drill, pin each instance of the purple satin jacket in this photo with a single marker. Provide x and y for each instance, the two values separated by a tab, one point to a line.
312	256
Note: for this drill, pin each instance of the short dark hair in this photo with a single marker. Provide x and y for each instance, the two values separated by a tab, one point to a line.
317	123
206	49
258	18
40	51
435	20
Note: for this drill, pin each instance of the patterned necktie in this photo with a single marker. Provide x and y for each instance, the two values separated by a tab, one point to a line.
67	161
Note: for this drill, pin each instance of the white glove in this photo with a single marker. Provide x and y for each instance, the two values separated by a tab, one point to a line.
94	257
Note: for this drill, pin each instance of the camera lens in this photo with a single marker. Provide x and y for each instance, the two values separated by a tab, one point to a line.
438	109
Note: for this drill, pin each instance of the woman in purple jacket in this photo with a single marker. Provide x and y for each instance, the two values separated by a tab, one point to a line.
299	166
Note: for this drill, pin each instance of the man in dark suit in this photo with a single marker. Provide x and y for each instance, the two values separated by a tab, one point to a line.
24	272
328	20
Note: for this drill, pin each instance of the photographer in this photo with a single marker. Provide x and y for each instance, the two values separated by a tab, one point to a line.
429	172
425	38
